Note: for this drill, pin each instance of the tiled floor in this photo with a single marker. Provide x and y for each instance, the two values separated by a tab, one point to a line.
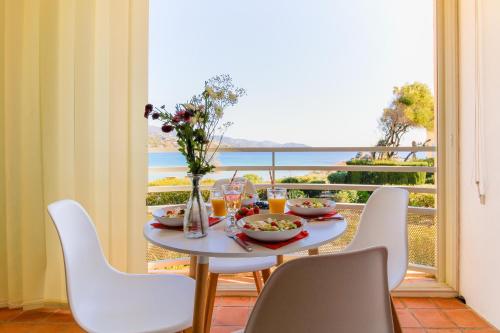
417	315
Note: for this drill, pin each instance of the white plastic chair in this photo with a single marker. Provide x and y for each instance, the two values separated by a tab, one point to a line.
345	293
103	299
383	223
219	266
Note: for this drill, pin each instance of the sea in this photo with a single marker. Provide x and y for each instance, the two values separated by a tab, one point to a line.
172	159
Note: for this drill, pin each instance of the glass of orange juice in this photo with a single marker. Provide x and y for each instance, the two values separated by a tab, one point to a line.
218	203
277	200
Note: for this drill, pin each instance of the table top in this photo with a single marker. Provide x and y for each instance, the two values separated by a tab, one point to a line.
217	244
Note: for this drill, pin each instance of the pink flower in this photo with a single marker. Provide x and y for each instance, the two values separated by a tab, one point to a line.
167	128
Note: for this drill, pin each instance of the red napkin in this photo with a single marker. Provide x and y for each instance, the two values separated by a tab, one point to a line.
211	221
274	246
314	216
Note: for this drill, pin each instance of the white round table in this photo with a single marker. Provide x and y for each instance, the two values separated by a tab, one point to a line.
218	244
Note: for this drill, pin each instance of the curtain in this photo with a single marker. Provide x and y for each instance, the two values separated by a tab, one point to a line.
73	84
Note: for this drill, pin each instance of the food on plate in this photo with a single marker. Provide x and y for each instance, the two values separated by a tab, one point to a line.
312	204
272	224
249	196
170	213
248	210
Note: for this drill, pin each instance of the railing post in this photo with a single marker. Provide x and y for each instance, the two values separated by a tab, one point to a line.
273	170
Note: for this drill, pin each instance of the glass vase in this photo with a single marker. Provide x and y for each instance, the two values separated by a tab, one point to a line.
195	215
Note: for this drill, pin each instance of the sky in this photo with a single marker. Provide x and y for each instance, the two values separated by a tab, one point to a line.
316	72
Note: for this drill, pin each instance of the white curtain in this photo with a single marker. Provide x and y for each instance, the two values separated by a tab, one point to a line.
73	84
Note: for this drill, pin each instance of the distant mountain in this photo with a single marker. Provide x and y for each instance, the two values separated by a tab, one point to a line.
160	140
235	142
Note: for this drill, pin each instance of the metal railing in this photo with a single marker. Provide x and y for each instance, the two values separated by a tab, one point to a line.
427	214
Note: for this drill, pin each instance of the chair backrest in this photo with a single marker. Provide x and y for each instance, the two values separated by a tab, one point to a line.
344	292
249	186
86	267
383	223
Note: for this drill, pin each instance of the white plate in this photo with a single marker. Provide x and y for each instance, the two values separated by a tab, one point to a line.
310	211
271	236
159	215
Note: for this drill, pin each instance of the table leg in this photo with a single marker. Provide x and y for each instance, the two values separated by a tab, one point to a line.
279	259
313	252
200	296
192	267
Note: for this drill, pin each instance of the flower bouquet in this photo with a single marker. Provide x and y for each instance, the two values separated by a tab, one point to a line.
199	129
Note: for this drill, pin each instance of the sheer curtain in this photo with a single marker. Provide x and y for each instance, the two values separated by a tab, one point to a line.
73	84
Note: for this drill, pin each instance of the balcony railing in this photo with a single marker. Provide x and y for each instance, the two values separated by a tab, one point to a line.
422	223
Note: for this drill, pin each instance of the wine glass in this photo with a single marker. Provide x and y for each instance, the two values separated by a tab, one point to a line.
232	196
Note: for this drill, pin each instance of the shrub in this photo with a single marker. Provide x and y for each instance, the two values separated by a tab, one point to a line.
338	177
382	178
422	200
170	198
314	193
256	179
289	180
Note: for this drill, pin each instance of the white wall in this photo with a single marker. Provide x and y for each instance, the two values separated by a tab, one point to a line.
480	224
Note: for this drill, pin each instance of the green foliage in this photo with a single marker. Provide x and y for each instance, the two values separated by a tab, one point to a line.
338	177
383	178
289	180
314	193
351	196
418	104
171	198
422	200
255	179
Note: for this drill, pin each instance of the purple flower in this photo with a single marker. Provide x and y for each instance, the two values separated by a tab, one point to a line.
155	115
176	119
167	128
147	110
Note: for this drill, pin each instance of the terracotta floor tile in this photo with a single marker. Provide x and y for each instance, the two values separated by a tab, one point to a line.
225	329
433	318
466	318
444	330
31	328
413	330
481	330
406	318
418	303
60	317
73	328
449	303
234	301
34	315
231	316
8	314
398	303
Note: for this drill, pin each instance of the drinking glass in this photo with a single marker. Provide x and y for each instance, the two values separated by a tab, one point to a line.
276	198
218	202
232	197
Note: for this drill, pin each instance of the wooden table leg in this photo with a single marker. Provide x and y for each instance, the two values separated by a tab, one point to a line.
395	319
313	252
279	259
192	267
266	273
212	290
200	297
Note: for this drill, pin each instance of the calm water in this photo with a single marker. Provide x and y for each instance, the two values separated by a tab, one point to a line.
251	159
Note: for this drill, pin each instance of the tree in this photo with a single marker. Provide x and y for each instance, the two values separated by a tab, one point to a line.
412	106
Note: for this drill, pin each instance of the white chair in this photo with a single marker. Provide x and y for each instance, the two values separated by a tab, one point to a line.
345	293
103	299
384	223
219	266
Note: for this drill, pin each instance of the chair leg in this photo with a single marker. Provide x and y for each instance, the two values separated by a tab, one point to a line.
395	319
279	259
258	281
212	288
266	273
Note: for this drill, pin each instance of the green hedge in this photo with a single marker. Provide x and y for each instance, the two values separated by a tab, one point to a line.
384	178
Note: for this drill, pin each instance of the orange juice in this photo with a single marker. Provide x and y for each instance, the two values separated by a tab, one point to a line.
276	205
219	207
